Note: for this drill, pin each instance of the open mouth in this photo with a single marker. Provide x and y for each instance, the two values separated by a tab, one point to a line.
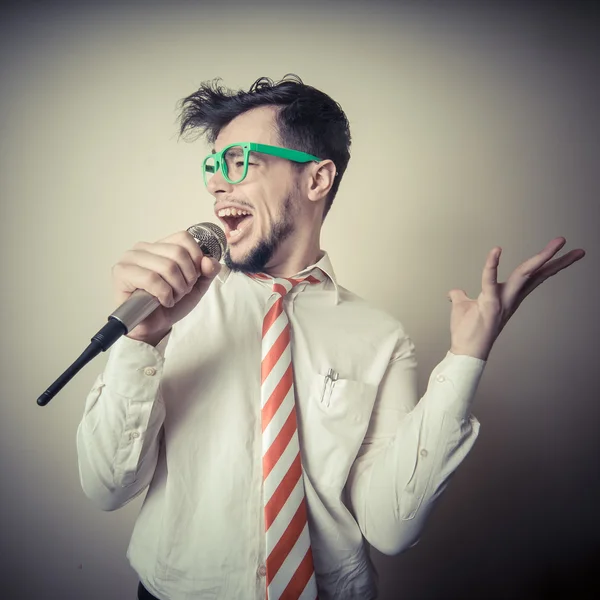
235	221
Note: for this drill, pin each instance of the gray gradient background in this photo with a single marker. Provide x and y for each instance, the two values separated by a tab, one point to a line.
473	126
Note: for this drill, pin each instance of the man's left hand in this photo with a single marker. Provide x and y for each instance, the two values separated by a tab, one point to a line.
475	324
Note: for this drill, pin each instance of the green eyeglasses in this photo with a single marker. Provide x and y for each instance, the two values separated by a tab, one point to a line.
234	159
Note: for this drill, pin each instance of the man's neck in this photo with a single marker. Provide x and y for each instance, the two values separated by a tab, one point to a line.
293	265
293	256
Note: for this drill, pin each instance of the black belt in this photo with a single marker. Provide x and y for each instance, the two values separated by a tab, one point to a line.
144	594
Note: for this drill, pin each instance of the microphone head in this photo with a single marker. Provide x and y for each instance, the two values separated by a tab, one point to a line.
210	238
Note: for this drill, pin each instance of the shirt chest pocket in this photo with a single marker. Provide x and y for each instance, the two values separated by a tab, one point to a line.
344	398
337	417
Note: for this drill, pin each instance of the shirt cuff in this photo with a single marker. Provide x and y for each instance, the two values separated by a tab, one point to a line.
454	381
134	369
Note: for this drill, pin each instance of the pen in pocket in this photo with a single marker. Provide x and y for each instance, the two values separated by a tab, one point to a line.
330	378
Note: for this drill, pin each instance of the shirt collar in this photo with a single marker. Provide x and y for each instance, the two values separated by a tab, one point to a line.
324	263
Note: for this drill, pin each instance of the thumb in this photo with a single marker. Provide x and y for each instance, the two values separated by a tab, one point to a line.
457	295
210	267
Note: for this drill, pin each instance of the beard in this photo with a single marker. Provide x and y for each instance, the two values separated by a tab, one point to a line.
259	256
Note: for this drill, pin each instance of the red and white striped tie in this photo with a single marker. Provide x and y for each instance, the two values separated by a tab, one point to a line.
290	570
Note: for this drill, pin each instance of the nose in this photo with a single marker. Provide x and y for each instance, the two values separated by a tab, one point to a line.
217	184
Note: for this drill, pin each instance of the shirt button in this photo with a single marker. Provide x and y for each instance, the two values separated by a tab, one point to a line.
441	378
262	571
424	453
134	435
150	371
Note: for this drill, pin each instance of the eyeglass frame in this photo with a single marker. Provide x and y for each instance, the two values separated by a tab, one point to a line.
247	147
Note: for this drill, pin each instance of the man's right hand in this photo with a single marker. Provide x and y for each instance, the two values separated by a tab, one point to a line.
174	270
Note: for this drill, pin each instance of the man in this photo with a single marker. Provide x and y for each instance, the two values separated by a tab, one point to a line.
271	413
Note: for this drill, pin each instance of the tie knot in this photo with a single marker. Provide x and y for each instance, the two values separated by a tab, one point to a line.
283	285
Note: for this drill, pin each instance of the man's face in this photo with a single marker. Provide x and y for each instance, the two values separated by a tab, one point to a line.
269	193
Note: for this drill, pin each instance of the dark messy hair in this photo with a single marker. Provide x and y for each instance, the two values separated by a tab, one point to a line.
308	119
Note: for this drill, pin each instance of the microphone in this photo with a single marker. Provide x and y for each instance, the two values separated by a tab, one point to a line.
140	304
134	310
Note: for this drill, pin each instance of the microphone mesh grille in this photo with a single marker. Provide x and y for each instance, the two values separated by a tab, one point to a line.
210	238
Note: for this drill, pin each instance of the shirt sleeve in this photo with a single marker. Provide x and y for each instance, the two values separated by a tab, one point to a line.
119	435
411	449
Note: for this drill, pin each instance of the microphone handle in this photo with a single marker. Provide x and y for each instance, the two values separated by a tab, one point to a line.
135	309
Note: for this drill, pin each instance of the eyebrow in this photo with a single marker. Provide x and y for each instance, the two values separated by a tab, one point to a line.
234	153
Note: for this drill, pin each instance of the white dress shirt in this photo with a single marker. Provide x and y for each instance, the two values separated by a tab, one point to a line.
184	419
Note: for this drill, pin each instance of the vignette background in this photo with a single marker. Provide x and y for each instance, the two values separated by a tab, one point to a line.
473	124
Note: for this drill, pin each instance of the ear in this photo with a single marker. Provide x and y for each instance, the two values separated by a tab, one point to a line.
320	180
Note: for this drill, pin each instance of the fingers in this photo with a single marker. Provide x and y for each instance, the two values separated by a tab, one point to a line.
181	277
205	266
131	277
530	266
534	271
167	269
187	242
554	266
489	278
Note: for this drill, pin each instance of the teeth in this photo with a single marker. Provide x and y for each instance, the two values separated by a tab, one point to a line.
232	212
